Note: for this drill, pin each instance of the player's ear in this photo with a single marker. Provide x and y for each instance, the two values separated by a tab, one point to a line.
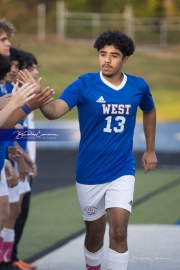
125	60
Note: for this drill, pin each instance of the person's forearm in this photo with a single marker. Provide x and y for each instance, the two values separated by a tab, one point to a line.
10	117
49	111
55	109
149	123
5	113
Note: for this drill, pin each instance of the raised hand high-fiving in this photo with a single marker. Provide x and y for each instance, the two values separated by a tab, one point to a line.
24	76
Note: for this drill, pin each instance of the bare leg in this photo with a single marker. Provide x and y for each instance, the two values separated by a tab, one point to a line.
14	213
118	254
95	234
4	210
94	241
118	221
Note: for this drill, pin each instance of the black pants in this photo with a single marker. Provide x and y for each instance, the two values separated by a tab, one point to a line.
20	223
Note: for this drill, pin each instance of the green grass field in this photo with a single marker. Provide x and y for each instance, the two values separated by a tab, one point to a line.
61	62
55	215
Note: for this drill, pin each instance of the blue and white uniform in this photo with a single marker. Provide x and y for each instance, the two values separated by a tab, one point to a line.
3	90
5	190
107	116
9	87
3	182
105	170
23	186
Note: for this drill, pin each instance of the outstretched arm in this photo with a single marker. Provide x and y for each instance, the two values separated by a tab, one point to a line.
55	110
149	159
18	98
52	110
7	121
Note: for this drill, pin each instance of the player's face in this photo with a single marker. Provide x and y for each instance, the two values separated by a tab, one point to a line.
34	71
111	61
4	44
12	75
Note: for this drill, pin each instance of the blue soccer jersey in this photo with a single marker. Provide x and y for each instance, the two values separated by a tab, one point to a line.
3	90
107	116
9	87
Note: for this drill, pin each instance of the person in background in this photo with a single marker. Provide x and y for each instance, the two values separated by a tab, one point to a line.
7	30
30	63
7	177
22	165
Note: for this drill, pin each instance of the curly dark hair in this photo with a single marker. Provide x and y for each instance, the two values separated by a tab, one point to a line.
29	59
116	38
16	55
4	66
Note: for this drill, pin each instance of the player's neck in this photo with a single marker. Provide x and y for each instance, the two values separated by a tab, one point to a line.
115	80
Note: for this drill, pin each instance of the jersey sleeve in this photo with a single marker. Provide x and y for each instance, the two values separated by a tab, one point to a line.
146	103
73	94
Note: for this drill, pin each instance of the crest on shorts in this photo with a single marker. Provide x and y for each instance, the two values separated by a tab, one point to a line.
90	210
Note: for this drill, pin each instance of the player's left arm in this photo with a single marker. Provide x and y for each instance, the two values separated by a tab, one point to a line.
149	159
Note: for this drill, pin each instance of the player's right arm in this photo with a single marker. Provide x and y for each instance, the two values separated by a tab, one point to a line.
18	98
44	97
54	110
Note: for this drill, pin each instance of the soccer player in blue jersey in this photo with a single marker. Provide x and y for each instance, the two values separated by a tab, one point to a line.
107	103
18	98
29	62
11	112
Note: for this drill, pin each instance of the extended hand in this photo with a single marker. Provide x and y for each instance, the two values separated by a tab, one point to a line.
11	176
25	76
4	100
14	152
41	99
22	95
23	168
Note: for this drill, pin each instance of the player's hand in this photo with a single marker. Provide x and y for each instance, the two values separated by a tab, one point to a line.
22	95
31	164
23	168
42	98
4	100
11	176
11	152
149	161
14	152
25	76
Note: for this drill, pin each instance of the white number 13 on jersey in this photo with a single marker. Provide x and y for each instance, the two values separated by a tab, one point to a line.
120	125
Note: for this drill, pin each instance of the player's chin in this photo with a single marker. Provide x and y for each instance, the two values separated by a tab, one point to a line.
107	74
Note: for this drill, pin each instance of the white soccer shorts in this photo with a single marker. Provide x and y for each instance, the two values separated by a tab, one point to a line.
95	199
13	194
24	186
